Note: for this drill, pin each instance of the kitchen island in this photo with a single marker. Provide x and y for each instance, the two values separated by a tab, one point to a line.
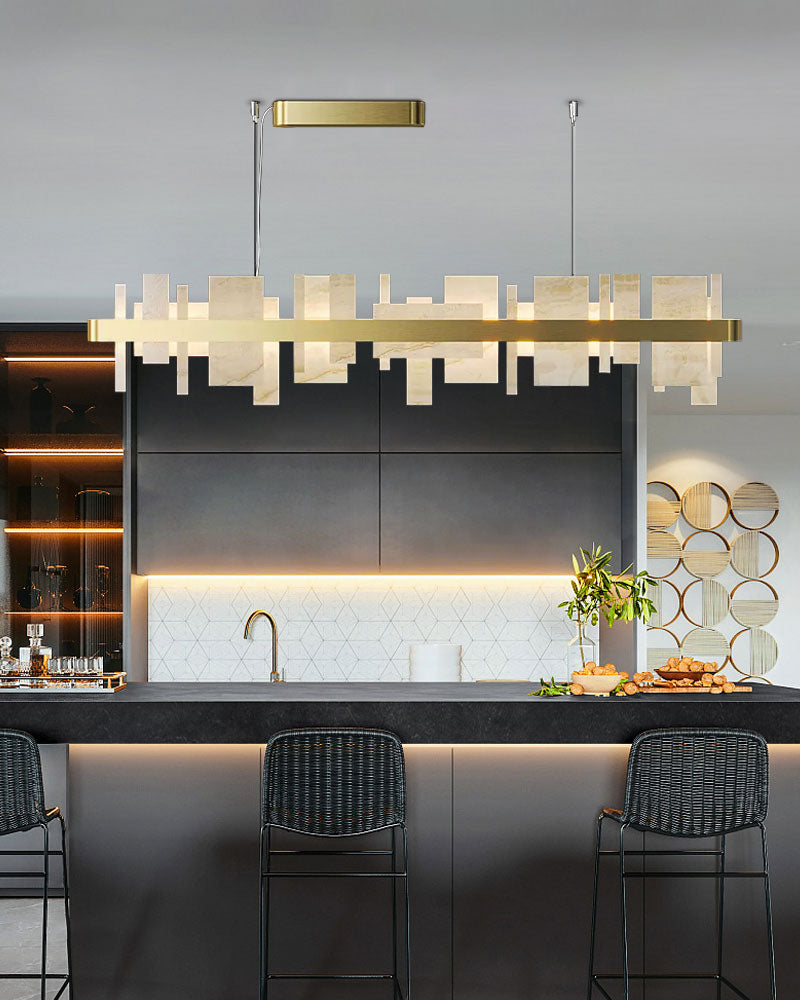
503	791
419	713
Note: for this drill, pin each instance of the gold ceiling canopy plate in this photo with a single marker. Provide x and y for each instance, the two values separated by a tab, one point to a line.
297	113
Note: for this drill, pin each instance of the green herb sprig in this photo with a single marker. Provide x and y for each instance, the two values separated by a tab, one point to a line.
550	689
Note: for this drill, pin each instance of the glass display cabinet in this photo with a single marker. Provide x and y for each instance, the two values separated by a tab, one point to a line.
61	493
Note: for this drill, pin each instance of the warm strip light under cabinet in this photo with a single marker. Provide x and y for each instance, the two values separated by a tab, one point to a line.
77	359
63	531
66	452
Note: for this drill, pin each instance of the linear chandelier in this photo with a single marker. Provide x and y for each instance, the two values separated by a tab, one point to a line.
240	330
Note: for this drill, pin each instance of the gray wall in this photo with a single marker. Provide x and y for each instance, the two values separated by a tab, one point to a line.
127	148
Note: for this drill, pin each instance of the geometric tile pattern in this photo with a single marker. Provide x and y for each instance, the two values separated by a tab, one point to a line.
355	628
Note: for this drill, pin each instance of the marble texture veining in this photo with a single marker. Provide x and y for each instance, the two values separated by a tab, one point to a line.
355	629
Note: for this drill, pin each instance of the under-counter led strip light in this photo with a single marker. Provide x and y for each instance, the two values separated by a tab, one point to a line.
452	578
63	452
63	531
93	359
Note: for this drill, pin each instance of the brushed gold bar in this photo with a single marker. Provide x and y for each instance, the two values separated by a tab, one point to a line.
558	331
292	113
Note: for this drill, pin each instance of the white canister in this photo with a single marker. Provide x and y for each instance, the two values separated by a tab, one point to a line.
434	661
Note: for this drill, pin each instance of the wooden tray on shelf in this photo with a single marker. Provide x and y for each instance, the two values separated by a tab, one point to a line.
70	684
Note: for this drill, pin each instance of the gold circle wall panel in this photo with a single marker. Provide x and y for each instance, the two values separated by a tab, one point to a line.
698	503
662	511
663	545
763	652
750	612
754	498
657	656
666	597
715	603
747	554
706	644
704	563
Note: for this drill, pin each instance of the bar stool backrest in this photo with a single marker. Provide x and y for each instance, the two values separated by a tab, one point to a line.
696	782
21	786
334	782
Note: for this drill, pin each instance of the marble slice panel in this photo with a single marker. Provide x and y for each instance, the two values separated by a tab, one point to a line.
561	364
626	305
512	302
235	297
266	390
343	306
483	371
387	350
155	296
561	296
235	364
419	382
477	288
155	305
312	296
385	288
680	296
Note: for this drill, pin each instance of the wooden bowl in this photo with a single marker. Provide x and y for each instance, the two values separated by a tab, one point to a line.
679	675
597	683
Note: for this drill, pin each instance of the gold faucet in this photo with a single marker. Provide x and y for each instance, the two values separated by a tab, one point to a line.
274	676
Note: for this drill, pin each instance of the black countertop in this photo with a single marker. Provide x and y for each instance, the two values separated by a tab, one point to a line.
418	713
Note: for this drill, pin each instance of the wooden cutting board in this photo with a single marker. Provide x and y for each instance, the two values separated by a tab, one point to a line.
691	690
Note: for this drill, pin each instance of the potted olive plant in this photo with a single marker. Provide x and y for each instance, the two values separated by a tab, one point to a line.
597	591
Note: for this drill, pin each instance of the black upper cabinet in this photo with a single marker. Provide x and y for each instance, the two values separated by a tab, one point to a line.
462	513
310	418
257	513
482	418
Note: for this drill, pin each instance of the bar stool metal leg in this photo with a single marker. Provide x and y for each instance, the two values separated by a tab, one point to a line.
768	900
408	917
263	944
624	910
598	841
67	920
45	888
720	916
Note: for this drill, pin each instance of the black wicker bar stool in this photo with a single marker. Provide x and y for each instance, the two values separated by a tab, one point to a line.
22	808
689	783
335	783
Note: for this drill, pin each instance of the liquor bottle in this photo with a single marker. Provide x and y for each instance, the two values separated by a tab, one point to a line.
9	666
35	657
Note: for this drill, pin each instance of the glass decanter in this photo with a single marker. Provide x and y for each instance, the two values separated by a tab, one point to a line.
9	666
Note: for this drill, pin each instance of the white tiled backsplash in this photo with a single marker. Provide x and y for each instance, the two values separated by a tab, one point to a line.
355	628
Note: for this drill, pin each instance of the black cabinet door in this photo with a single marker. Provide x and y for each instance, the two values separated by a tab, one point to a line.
257	513
339	417
475	418
454	513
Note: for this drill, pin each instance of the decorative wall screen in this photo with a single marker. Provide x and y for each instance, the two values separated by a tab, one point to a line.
712	555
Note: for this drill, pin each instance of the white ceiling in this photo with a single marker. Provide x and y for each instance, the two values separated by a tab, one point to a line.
127	148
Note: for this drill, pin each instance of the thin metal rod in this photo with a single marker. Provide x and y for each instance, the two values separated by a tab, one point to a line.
257	117
573	118
598	841
721	920
624	912
46	862
768	900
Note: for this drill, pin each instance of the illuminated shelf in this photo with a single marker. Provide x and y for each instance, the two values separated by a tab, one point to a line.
62	531
66	359
59	614
62	452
